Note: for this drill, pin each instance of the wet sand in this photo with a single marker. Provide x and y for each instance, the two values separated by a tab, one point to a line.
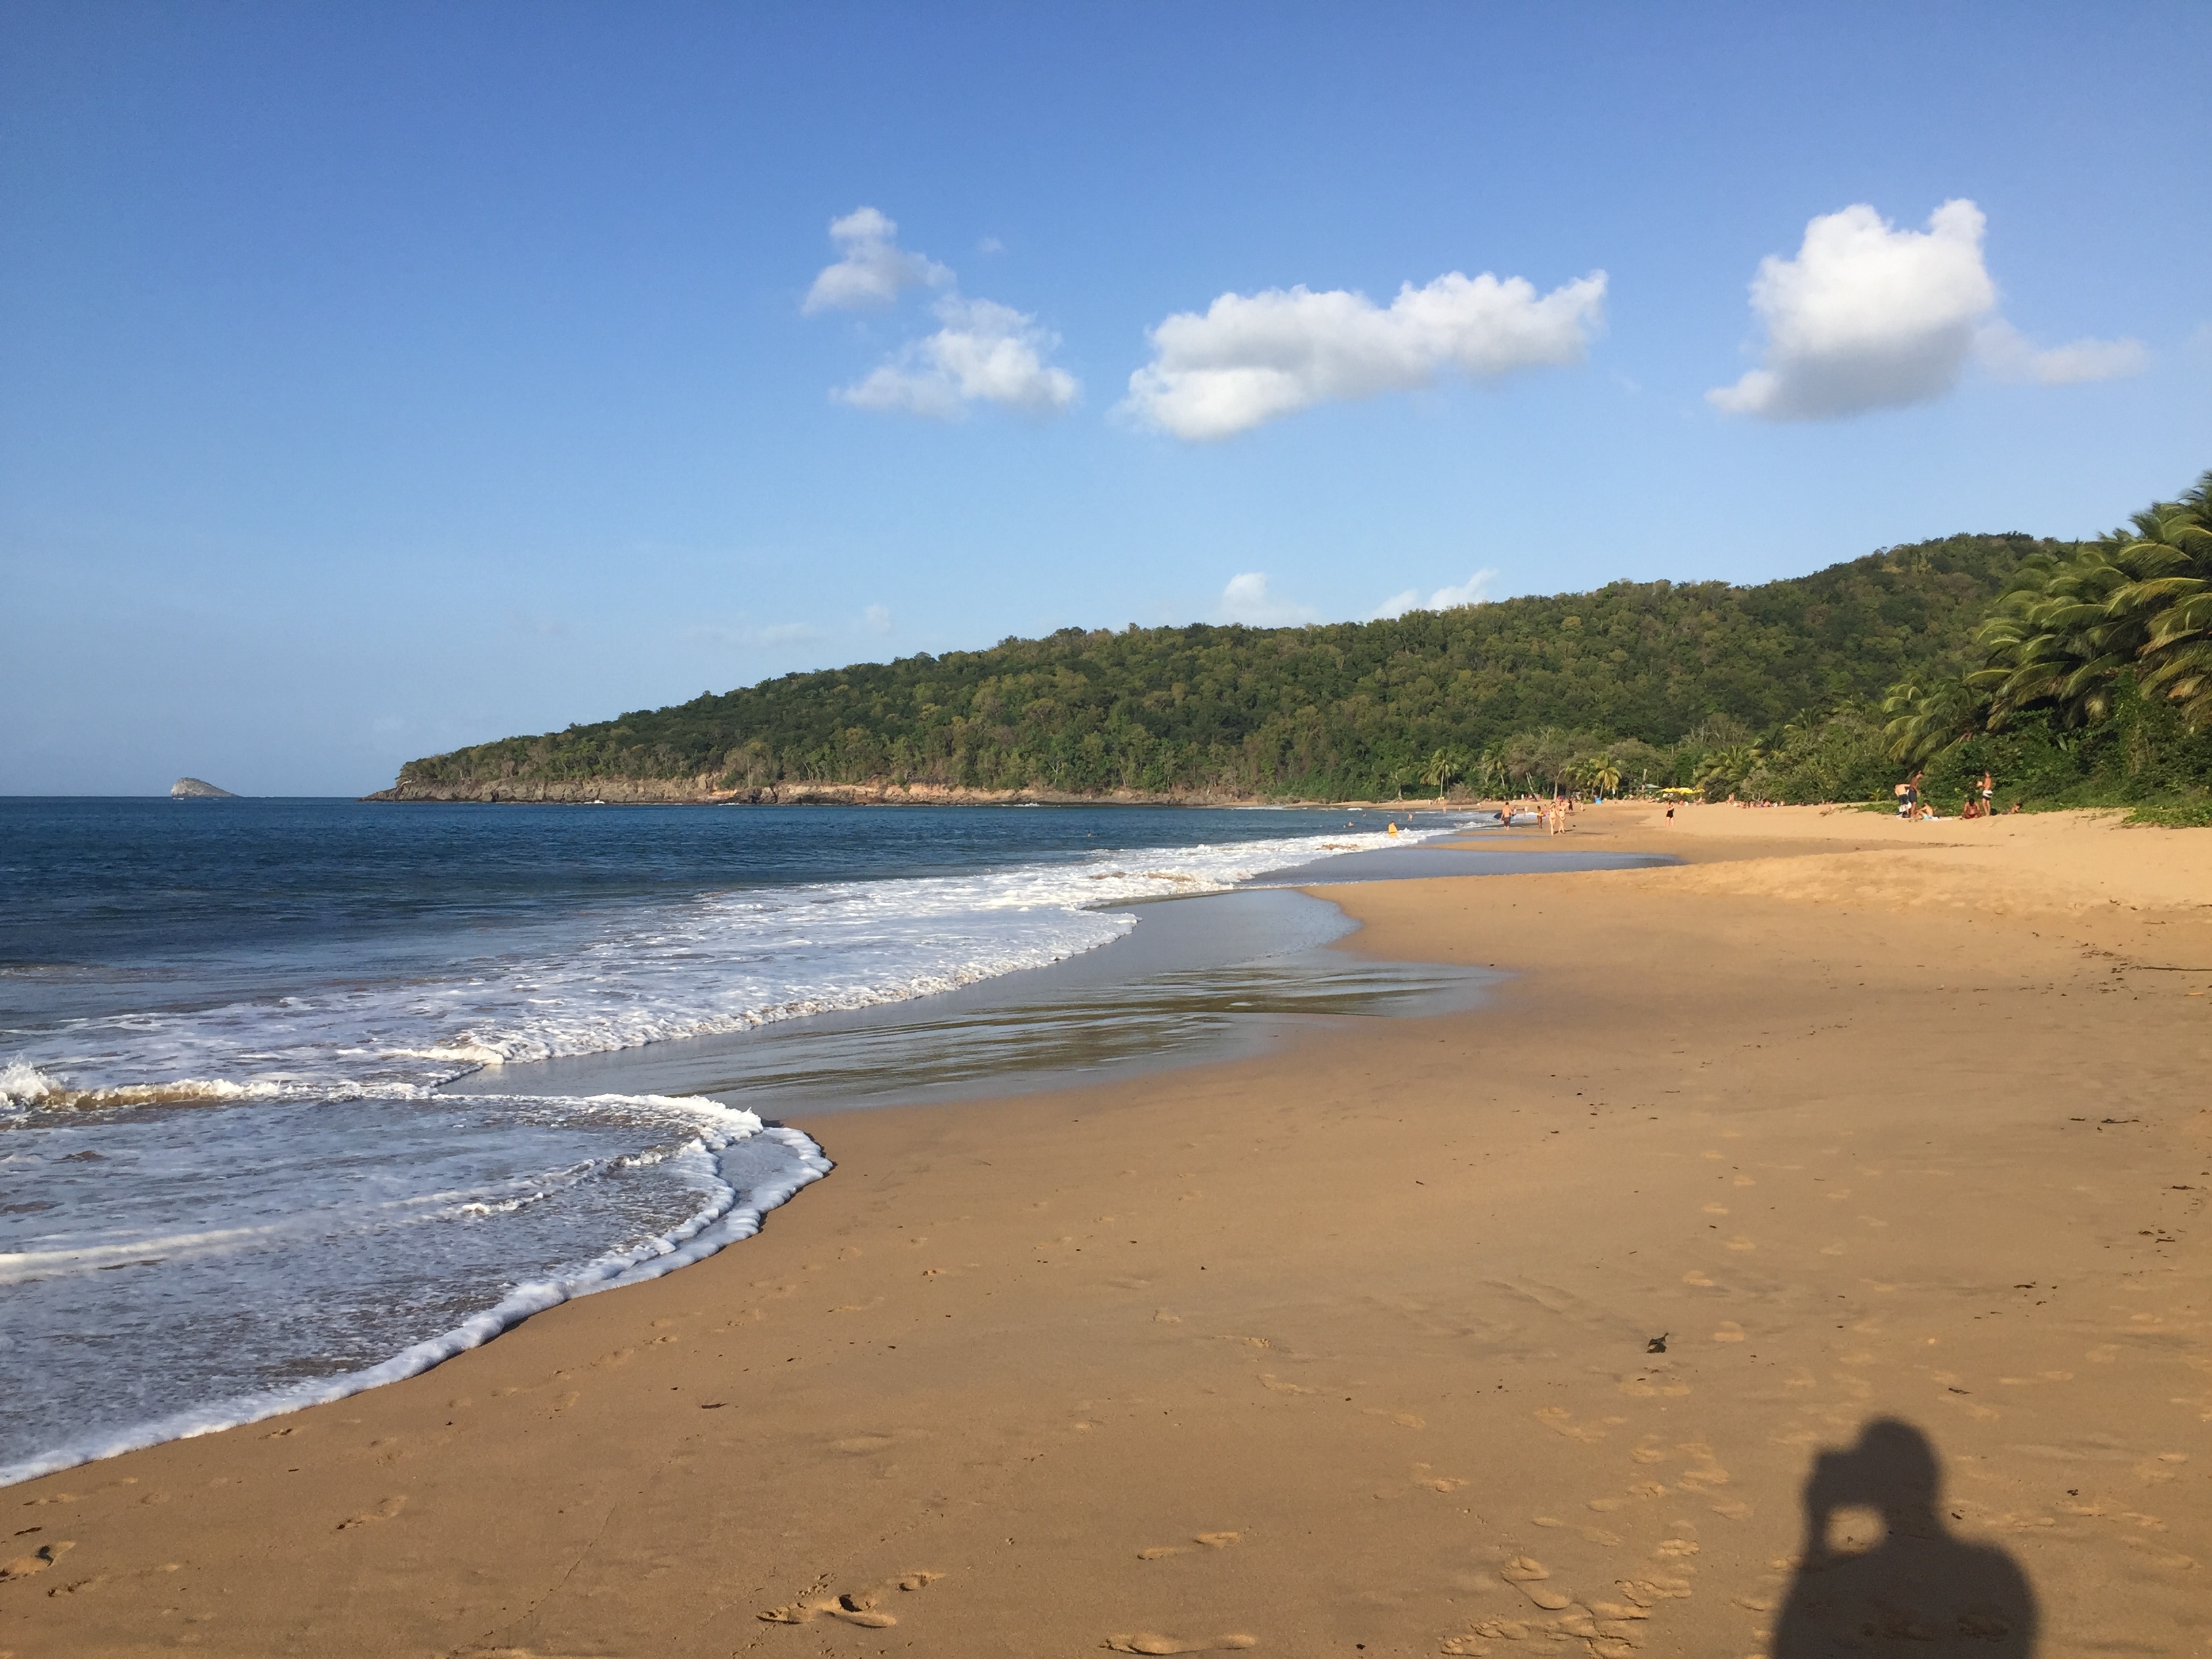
1348	1347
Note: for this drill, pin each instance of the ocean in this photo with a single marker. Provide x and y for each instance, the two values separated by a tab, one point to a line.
299	1096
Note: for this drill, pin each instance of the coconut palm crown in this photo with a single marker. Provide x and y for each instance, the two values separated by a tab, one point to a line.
2068	628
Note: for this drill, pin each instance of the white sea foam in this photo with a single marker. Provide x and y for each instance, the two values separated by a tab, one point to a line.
731	1213
319	1213
720	962
22	1084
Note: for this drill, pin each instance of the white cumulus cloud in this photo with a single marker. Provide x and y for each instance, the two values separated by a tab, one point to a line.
1475	590
986	352
877	619
1869	316
1252	357
1248	599
874	270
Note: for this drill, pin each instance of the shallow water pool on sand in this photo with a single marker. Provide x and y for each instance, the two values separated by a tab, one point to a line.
1198	979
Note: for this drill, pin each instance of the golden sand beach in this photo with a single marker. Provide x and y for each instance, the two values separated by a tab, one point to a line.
1518	1331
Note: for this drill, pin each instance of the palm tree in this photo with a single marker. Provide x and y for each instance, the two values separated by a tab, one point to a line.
2054	639
1925	721
1723	769
1442	770
2173	600
1605	778
1493	766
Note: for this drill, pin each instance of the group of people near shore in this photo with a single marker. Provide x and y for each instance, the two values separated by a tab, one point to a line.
1980	802
1556	815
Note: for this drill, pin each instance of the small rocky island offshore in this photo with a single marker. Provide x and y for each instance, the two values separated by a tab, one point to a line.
197	789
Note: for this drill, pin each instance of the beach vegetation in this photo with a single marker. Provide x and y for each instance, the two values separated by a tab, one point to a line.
2078	673
1442	770
2089	684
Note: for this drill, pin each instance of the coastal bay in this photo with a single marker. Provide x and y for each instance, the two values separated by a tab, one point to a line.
1349	1346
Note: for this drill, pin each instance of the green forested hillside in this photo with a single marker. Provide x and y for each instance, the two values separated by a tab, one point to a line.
1650	680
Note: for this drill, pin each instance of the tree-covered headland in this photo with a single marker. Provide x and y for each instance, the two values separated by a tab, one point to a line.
1955	654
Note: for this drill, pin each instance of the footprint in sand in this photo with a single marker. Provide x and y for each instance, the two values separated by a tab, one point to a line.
28	1566
1728	1332
1213	1540
1693	1276
1607	1637
1527	1574
1403	1420
853	1607
384	1511
1560	1421
1151	1641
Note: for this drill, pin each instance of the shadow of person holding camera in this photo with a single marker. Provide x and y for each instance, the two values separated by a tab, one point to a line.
1919	1590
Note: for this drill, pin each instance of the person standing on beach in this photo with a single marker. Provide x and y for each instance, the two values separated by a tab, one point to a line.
1989	795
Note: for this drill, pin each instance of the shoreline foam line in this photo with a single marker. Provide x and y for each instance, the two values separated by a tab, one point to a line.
1122	874
725	1221
716	963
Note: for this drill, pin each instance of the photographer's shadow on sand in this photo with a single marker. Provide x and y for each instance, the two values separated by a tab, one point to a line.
1919	1589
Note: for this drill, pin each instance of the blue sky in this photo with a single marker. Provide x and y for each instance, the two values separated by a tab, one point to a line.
381	379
